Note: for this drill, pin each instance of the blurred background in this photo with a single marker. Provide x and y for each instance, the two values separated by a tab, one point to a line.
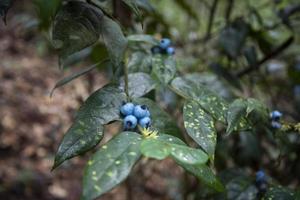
243	48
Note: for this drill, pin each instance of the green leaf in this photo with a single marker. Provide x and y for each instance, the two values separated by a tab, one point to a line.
200	126
114	40
240	188
257	111
146	5
236	115
204	174
143	38
154	148
279	193
76	26
164	68
139	62
251	55
70	78
160	148
102	107
233	37
190	87
4	7
139	84
105	5
161	121
111	164
46	11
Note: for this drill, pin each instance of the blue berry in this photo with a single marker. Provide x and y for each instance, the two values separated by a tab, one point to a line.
275	115
165	43
170	51
156	50
140	111
297	91
127	109
145	122
275	125
260	176
147	113
130	122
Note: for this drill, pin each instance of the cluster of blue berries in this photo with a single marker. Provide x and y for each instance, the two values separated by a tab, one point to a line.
261	182
164	47
275	119
135	114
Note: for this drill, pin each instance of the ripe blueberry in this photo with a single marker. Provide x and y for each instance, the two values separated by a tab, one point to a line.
140	111
130	122
170	51
145	122
275	125
275	115
165	43
127	109
260	176
156	50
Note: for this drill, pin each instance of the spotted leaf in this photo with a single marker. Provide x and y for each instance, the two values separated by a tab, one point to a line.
111	164
169	146
100	108
190	87
76	26
200	126
163	68
139	84
236	116
279	192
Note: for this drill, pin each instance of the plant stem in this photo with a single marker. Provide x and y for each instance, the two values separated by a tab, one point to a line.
126	80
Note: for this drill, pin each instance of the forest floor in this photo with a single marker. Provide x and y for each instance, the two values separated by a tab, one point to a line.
32	124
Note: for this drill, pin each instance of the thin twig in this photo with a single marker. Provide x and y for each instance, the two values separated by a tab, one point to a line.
211	18
273	54
229	10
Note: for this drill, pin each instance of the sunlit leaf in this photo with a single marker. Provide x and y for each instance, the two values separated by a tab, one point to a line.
162	147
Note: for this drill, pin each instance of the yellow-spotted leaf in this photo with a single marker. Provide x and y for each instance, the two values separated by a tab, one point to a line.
111	164
139	84
163	68
190	87
236	116
200	126
162	147
102	107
